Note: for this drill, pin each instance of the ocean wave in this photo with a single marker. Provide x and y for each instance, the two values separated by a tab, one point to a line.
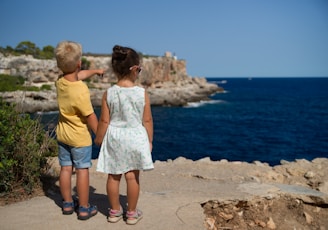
218	82
202	103
47	113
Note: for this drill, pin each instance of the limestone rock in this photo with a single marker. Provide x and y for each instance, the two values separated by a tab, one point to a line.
271	224
323	187
164	78
308	218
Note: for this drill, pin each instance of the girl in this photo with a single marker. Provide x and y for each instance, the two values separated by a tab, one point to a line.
125	133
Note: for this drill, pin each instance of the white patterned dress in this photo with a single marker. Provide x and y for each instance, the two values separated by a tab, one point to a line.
125	146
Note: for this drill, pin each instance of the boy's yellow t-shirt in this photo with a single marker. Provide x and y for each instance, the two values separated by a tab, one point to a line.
74	105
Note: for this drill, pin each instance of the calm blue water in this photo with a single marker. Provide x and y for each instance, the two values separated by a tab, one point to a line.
265	119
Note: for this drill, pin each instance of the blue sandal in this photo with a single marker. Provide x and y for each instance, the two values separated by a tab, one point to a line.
70	206
91	210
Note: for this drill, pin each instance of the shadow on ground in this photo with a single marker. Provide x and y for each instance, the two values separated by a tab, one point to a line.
52	190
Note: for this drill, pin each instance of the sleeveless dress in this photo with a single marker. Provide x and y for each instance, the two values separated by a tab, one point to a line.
125	146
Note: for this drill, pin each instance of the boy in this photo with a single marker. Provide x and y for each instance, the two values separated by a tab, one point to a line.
76	117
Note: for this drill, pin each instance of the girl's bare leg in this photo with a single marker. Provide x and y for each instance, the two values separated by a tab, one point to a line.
113	191
133	188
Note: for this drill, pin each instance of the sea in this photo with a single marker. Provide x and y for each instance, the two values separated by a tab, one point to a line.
254	119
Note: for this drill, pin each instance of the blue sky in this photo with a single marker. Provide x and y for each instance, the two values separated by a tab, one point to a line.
217	38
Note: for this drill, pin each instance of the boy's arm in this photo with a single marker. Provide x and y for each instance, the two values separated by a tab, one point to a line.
148	121
92	121
84	74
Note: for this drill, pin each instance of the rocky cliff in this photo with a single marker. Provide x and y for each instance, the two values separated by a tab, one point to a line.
165	78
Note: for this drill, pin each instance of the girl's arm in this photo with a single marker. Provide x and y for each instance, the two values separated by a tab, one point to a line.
148	121
103	120
84	74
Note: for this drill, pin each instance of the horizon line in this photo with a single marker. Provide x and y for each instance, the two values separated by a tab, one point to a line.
266	77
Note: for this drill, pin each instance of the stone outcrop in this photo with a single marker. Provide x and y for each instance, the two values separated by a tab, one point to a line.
165	79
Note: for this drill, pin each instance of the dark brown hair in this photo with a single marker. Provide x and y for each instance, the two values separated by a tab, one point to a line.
122	59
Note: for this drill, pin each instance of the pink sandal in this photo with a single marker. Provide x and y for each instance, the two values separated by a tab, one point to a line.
114	215
133	217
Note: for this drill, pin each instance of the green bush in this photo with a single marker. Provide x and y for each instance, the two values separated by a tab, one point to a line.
85	64
45	87
12	83
24	149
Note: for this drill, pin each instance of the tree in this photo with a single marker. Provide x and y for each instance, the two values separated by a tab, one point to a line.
47	52
48	49
27	47
9	49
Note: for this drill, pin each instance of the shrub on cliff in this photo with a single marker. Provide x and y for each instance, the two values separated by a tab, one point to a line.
12	83
24	149
85	64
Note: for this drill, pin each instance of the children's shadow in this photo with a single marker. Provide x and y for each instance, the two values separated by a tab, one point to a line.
101	200
52	190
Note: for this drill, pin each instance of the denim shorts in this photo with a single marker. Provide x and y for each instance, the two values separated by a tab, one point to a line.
79	157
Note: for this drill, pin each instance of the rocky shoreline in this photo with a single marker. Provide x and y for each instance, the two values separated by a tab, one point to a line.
164	78
44	101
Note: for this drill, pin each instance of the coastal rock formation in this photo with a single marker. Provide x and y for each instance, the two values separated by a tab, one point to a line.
297	196
292	195
165	79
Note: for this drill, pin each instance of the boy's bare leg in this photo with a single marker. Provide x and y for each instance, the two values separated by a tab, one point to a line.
82	184
113	191
65	183
133	188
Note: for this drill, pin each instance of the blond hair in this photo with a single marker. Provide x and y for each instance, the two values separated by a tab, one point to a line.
68	55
